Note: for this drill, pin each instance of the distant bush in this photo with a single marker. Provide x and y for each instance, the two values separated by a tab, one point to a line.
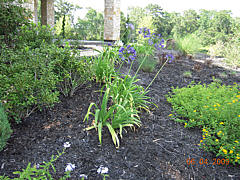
5	129
232	54
190	44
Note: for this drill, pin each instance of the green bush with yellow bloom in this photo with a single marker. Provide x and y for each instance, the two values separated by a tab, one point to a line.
216	109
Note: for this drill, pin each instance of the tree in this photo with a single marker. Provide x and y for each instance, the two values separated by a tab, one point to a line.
63	9
187	24
91	27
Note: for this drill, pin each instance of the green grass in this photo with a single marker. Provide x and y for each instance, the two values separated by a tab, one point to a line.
189	44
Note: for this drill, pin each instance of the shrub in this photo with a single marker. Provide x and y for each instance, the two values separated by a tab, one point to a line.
27	80
5	129
149	63
72	69
232	54
33	35
215	108
190	44
12	17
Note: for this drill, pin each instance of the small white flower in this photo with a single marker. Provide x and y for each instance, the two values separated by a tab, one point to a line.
37	166
83	176
70	167
66	144
102	170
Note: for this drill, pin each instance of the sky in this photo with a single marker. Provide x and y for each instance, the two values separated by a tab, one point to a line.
167	5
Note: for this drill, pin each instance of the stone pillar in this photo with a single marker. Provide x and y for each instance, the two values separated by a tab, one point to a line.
47	12
112	20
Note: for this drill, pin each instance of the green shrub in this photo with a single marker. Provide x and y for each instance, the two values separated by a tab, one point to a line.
215	108
149	63
33	35
5	129
72	69
12	17
232	54
27	80
190	44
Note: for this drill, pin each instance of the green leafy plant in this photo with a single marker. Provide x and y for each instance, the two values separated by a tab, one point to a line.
42	171
72	69
190	44
215	108
104	65
27	81
113	117
5	129
33	35
187	74
12	17
149	63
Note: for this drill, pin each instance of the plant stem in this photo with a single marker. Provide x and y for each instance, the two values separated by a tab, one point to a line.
156	74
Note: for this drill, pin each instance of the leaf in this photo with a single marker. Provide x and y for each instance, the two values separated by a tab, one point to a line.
114	135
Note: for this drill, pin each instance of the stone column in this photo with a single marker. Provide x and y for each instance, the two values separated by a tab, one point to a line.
112	20
47	12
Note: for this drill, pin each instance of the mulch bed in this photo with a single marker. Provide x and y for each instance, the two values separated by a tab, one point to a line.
157	150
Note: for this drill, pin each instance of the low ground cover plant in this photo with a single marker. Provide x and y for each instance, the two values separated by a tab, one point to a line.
214	108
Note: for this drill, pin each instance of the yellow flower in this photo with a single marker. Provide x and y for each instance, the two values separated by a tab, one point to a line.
218	104
220	132
236	141
233	147
231	151
233	101
215	109
194	111
238	96
185	124
204	130
203	136
214	105
238	157
201	141
224	151
216	140
239	115
221	123
170	115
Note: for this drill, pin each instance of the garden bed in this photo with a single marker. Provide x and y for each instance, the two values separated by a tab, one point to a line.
157	150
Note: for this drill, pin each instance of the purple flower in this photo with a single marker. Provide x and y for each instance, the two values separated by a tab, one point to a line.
150	42
130	25
121	49
170	57
109	44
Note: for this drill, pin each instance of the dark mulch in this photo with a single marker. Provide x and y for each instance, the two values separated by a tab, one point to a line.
157	150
